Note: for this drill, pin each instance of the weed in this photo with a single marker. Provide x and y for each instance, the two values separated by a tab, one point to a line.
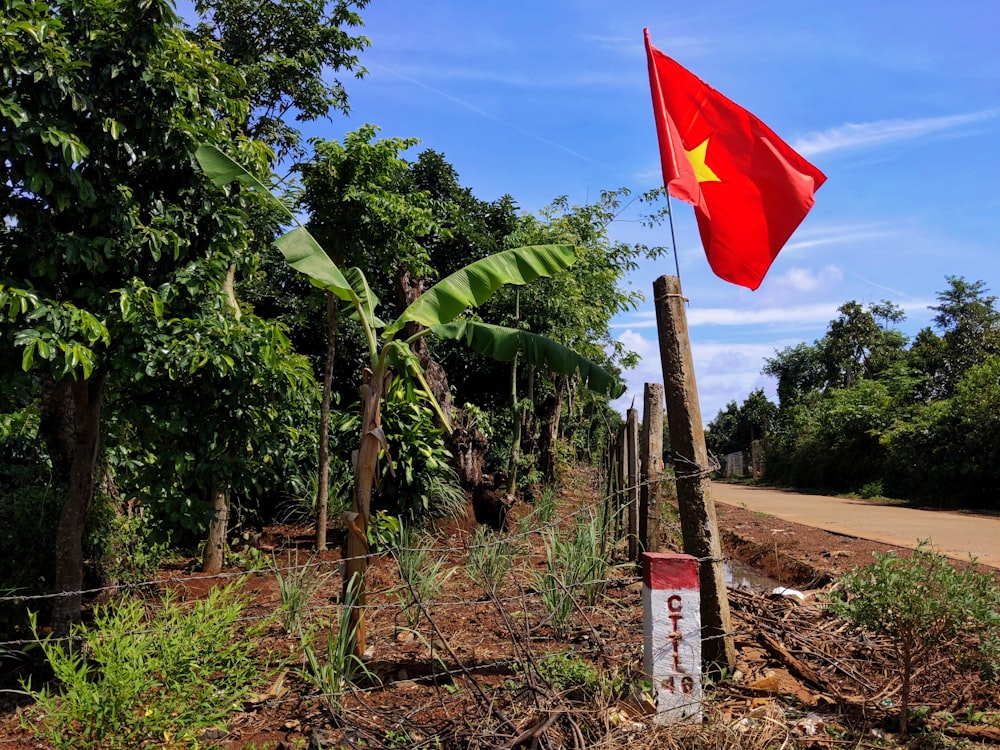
489	560
334	674
296	586
577	679
872	490
422	574
545	506
130	679
574	568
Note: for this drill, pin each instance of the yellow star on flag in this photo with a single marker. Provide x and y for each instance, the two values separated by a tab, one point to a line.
702	171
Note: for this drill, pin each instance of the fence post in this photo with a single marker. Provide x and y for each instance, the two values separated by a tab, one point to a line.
699	526
651	460
632	458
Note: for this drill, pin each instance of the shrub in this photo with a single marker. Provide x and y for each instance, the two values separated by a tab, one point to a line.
921	602
136	679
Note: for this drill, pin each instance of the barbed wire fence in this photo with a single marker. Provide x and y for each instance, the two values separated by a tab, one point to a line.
446	664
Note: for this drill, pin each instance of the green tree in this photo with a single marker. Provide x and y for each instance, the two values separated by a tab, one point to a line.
923	605
735	428
575	309
288	53
362	210
799	370
970	324
103	104
857	347
437	311
253	398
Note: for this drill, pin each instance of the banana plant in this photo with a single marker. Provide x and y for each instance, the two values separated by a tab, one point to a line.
438	312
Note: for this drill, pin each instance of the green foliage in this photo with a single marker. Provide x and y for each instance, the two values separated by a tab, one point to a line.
422	572
124	543
575	571
256	402
736	427
924	605
383	531
488	560
296	586
858	408
138	677
578	679
29	510
419	483
335	667
286	53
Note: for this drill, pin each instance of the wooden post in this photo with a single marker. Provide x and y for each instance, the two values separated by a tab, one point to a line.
632	495
651	459
621	497
687	441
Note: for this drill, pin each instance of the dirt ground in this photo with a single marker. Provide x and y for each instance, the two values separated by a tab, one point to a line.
467	670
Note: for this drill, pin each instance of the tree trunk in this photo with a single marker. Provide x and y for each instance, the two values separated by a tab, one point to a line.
215	544
323	480
529	442
515	445
70	424
366	464
550	430
407	290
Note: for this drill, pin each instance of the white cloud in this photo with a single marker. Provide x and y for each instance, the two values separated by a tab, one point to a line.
853	135
807	280
837	238
725	372
820	312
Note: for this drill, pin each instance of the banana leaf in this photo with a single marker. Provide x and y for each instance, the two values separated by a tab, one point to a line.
503	344
474	284
300	248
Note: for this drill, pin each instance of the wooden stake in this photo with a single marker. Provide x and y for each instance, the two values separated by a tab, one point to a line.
687	442
651	461
632	486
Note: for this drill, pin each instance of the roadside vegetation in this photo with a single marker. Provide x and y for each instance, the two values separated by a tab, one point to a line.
206	370
864	410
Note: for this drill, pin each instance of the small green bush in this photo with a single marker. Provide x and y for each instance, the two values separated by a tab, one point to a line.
922	603
133	678
577	679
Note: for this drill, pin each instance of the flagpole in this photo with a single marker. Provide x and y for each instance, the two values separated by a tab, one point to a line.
673	239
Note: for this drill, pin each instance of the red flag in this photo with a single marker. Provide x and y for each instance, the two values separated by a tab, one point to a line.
750	189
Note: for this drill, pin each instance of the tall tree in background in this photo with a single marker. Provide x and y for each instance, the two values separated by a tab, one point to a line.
289	53
364	212
574	308
967	316
104	103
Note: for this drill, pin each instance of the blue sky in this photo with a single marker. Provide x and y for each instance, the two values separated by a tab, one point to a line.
897	102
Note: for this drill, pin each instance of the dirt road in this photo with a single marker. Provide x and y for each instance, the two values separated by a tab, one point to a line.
956	535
